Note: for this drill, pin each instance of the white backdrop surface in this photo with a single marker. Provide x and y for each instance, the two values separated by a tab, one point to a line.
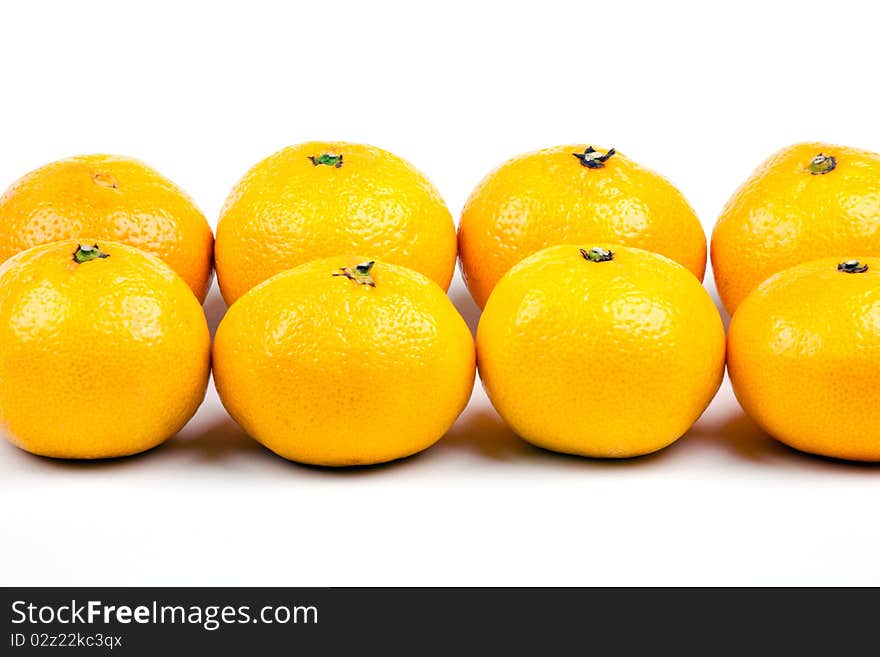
701	92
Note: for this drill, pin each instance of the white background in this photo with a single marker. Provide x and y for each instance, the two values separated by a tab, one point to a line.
699	91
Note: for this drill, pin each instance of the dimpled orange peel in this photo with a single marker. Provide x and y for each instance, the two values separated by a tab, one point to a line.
319	199
571	194
804	356
806	199
602	350
104	350
344	361
109	197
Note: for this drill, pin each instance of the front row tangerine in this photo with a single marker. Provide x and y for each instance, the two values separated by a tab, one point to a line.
804	357
344	361
601	350
104	350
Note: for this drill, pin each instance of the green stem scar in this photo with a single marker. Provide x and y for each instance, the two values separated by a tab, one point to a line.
852	267
593	159
327	159
86	253
597	254
822	164
360	274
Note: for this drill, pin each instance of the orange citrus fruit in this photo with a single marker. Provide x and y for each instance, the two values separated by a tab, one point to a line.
108	197
344	361
804	356
604	351
104	350
320	199
807	199
571	194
